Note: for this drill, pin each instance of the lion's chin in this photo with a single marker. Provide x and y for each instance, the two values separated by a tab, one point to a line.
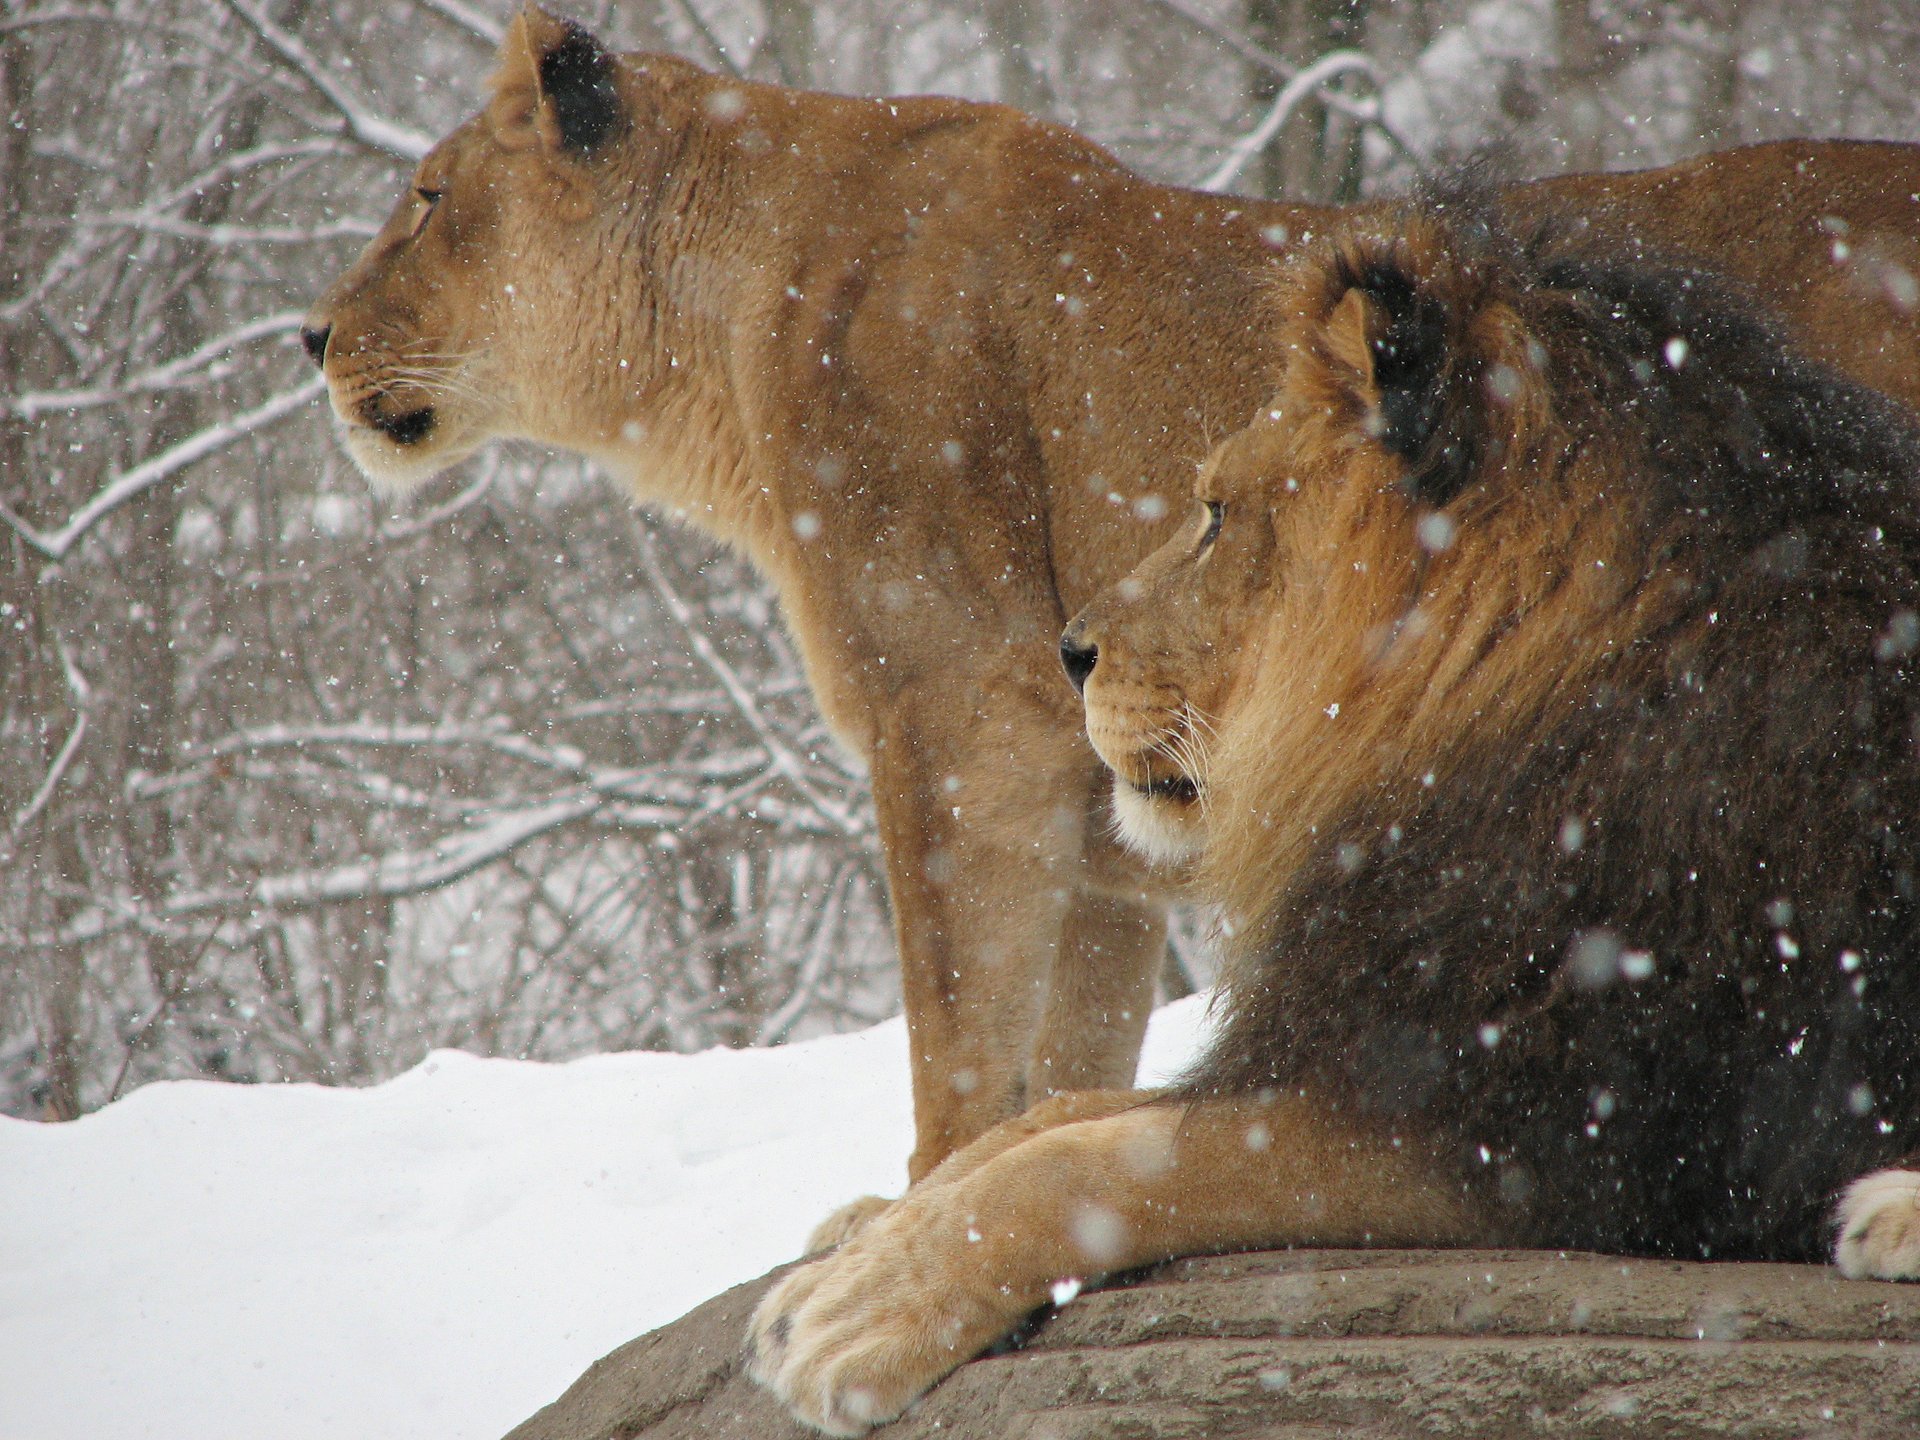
396	469
1162	829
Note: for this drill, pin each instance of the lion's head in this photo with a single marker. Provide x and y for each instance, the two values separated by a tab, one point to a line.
454	325
1427	541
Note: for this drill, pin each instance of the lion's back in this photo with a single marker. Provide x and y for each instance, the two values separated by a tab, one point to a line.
1649	963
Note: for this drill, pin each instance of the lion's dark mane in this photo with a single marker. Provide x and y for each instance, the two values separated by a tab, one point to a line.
1655	977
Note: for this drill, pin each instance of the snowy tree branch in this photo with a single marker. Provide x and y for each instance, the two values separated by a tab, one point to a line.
483	27
230	235
806	984
56	544
357	120
1307	82
707	36
783	758
82	704
1258	55
160	377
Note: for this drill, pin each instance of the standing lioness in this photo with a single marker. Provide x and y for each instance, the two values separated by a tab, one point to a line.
943	371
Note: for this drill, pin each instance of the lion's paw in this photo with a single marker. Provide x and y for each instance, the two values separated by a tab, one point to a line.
850	1340
1879	1227
846	1222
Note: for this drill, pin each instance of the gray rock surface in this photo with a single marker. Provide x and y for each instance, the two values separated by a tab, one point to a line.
1313	1345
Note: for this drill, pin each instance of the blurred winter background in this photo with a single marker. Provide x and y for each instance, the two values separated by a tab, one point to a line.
293	786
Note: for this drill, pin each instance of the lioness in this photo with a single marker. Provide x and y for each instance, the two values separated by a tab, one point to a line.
943	371
1539	677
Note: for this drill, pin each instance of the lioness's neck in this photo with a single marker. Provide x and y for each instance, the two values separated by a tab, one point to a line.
816	289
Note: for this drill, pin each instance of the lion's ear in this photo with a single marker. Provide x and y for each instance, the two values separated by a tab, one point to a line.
1396	333
554	86
1350	342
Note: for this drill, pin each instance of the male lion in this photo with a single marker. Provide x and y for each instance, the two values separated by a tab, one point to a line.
1540	681
943	372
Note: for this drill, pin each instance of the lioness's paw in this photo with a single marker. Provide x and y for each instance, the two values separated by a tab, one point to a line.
846	1222
850	1340
1879	1224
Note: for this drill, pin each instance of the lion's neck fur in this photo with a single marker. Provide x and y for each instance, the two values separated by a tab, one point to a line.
1460	654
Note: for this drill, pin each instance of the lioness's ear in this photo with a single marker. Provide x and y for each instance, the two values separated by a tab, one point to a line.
1397	335
554	86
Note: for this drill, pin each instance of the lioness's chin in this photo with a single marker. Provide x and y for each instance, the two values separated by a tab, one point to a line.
1163	829
396	469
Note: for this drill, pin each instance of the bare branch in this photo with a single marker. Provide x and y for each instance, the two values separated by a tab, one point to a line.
1258	55
55	545
357	120
227	235
241	161
433	516
1307	82
782	758
390	876
806	985
161	377
712	41
481	26
82	704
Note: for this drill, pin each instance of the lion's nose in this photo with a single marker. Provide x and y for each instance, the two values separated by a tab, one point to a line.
1078	656
315	344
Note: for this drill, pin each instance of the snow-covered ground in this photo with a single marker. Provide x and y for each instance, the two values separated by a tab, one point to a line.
429	1259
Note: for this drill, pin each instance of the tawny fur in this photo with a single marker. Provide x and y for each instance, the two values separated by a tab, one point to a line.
944	372
1557	626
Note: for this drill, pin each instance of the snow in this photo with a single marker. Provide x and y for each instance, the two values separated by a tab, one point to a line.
436	1256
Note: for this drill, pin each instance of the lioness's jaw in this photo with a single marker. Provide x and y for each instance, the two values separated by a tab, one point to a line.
396	466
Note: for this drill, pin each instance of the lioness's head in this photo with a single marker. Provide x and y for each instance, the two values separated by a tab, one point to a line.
512	260
1430	534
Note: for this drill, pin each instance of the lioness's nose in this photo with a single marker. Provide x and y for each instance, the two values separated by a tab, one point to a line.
1078	656
315	343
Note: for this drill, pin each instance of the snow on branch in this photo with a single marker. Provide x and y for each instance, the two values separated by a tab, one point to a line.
56	544
485	27
813	966
1305	83
356	119
620	800
227	235
160	377
711	40
238	162
82	705
387	877
495	737
779	753
1256	54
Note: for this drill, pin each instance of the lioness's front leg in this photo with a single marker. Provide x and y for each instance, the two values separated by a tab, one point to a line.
981	819
850	1340
1113	942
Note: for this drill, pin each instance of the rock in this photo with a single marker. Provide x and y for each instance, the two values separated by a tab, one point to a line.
1363	1345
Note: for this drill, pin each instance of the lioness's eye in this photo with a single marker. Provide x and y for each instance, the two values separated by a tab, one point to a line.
428	199
1216	512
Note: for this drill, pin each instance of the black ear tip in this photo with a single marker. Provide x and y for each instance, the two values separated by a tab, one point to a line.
577	75
1411	346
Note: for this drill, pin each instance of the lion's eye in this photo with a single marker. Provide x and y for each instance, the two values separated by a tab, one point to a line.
1216	512
431	197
